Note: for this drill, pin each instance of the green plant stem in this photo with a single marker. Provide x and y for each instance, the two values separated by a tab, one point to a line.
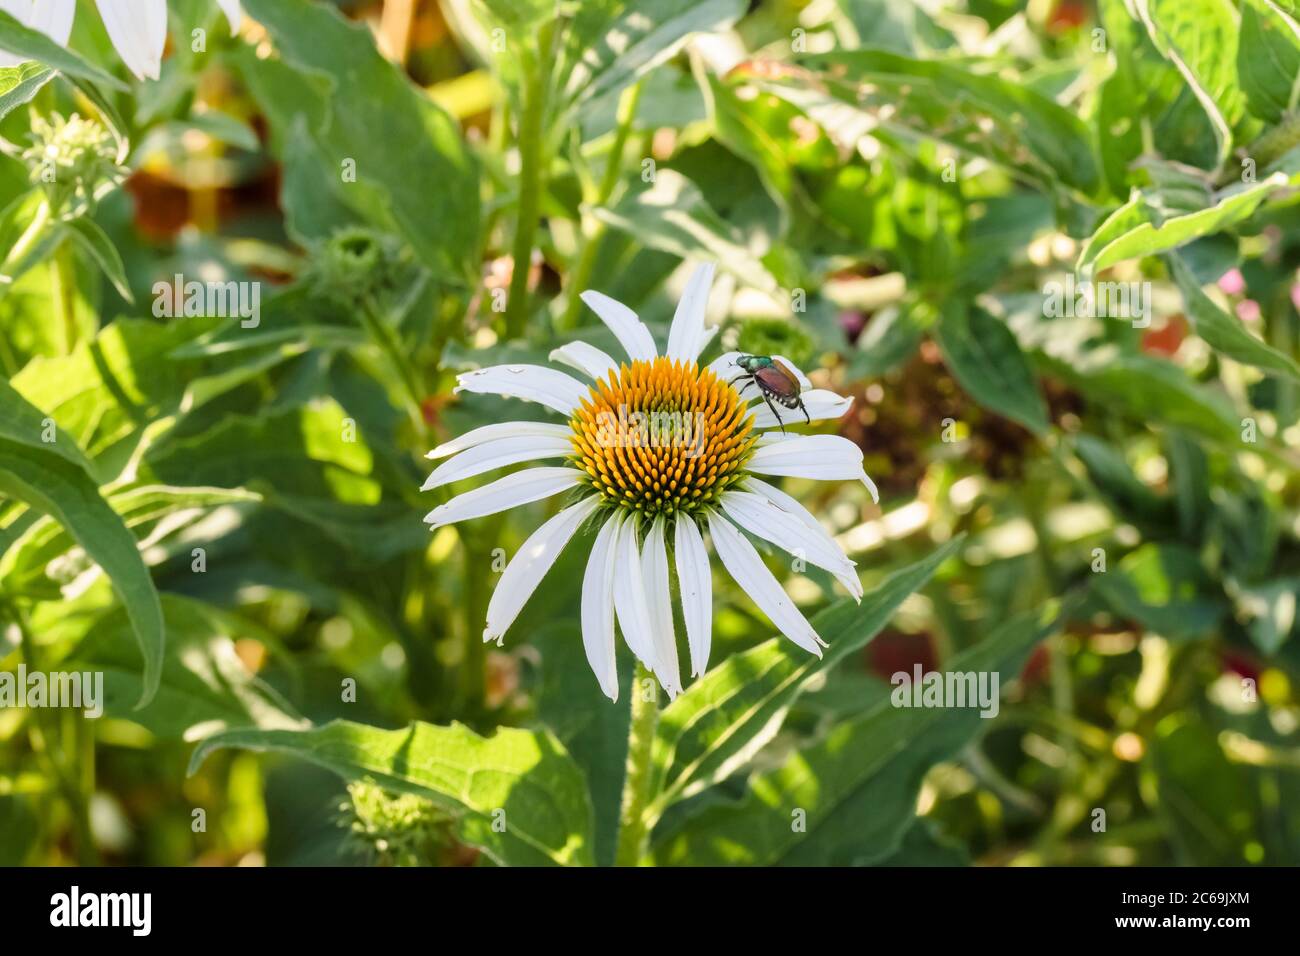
1267	149
580	276
15	261
383	336
75	787
472	676
63	271
531	172
632	830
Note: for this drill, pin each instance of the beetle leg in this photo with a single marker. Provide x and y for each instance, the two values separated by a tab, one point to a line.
774	411
804	408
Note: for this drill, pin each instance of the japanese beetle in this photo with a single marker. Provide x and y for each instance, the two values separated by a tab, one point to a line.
774	380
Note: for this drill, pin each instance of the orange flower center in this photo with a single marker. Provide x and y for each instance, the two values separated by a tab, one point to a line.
662	436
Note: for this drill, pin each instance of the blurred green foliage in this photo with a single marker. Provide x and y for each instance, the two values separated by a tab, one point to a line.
902	197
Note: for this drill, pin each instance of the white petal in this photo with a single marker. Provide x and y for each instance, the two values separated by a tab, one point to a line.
822	457
654	573
138	29
520	488
498	454
696	585
725	367
686	334
54	19
760	517
532	383
598	608
629	596
232	12
530	564
487	433
20	10
51	17
587	359
820	403
622	321
743	563
785	502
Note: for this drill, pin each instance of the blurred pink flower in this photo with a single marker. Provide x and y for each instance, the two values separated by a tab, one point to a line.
1232	282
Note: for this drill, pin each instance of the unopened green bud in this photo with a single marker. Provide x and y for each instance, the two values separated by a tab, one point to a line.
71	159
357	265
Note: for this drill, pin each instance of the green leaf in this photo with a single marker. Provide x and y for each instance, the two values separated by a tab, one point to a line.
123	389
1200	37
857	787
1138	228
1146	104
90	237
25	565
890	25
1268	60
225	129
412	166
1208	802
1131	498
1225	332
732	712
304	451
673	216
570	703
1146	388
53	477
19	84
204	689
1165	588
524	774
34	45
522	16
1269	610
611	43
938	100
984	357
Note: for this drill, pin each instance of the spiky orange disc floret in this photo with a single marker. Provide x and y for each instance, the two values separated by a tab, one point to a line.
662	436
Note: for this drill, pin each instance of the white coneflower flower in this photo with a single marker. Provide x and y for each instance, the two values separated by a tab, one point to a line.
138	28
660	451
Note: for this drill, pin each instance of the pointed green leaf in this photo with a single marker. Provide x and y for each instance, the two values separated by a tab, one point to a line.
1225	332
728	715
985	358
53	478
856	789
523	779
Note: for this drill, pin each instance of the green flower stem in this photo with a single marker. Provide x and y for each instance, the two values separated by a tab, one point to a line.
383	336
471	676
632	831
74	786
531	184
64	293
1267	149
580	276
16	261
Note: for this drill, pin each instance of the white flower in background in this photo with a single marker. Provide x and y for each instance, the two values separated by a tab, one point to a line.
654	488
138	28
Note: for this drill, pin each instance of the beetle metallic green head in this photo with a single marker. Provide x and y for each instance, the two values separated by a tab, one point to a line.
752	363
